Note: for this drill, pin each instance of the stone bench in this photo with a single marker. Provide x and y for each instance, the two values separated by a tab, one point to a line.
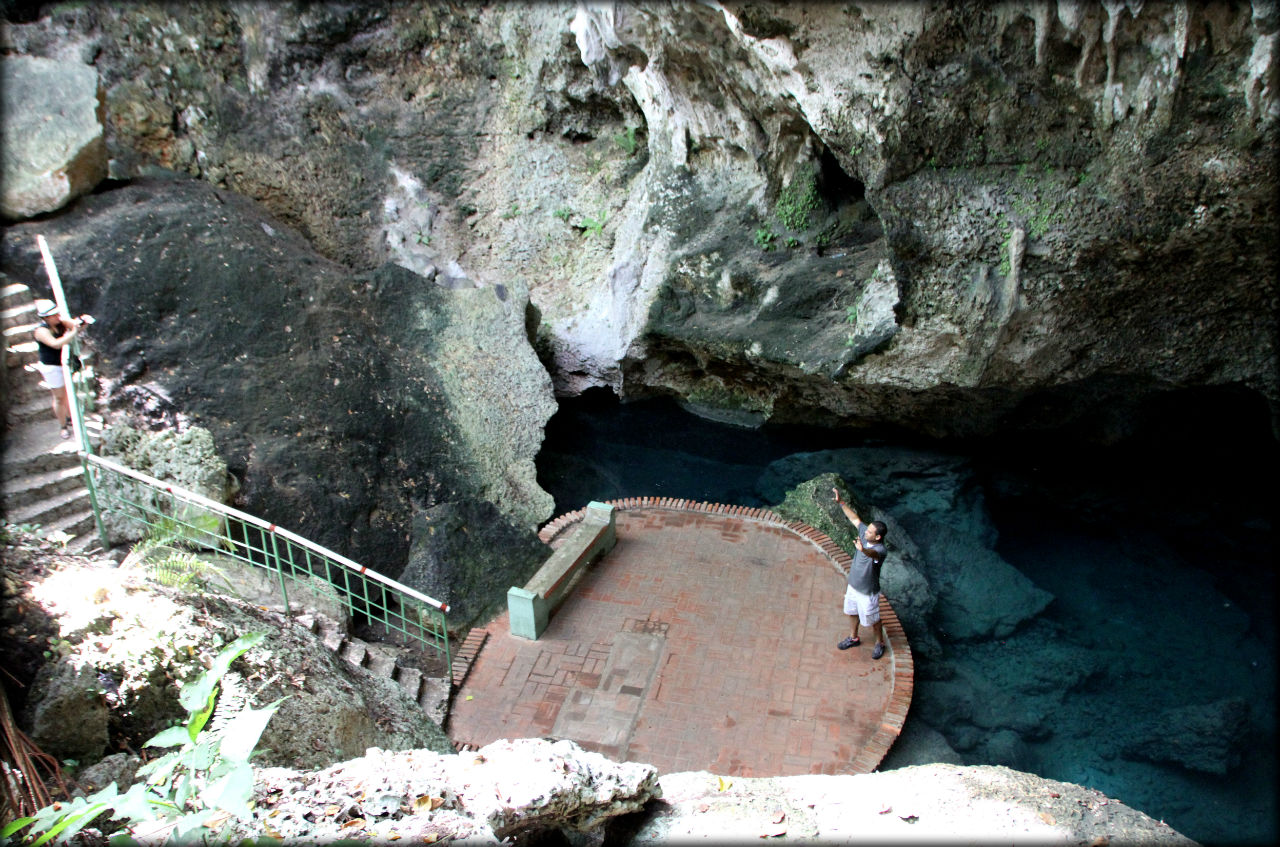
530	608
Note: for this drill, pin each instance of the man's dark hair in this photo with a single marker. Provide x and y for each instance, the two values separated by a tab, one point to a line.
881	529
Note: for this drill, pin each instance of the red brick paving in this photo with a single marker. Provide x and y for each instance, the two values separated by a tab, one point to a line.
704	641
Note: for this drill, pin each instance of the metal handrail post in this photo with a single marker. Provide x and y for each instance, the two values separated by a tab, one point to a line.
98	523
73	395
275	554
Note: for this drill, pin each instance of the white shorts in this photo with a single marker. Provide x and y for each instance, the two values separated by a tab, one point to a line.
865	606
52	374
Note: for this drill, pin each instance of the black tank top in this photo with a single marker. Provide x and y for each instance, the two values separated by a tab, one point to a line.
51	355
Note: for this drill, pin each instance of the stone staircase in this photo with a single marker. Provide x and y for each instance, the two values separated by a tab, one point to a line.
43	484
42	478
385	660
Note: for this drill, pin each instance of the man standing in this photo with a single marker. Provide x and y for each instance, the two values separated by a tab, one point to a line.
862	596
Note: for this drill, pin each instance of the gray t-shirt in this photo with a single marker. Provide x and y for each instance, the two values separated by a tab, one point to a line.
864	573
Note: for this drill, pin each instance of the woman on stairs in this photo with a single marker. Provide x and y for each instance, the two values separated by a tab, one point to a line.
56	333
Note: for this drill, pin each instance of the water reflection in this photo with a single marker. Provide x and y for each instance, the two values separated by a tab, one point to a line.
1151	676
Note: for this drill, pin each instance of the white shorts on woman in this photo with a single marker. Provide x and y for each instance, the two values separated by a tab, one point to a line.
52	374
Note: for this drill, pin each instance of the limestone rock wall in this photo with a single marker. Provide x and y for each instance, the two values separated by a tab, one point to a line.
956	219
341	401
53	147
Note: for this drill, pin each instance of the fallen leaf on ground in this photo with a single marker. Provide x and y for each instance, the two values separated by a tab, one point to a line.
886	809
353	822
1100	841
779	816
1054	794
426	801
910	818
723	783
1048	818
704	807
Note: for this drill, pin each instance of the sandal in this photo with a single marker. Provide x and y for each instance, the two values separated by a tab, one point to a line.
849	641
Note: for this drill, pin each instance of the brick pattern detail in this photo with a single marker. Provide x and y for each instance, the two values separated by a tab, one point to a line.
466	655
577	676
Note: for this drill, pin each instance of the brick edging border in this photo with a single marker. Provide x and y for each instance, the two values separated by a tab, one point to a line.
895	714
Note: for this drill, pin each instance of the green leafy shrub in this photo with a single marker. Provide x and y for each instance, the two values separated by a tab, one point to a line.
206	779
765	238
594	226
796	202
627	140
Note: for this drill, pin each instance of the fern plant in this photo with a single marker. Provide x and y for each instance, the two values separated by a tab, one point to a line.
168	559
207	778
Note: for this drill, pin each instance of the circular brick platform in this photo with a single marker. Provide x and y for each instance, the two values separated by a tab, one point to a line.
704	641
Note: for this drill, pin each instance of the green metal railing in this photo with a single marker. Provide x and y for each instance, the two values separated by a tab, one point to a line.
292	559
201	522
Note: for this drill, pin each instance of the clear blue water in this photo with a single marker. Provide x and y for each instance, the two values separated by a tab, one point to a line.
1159	558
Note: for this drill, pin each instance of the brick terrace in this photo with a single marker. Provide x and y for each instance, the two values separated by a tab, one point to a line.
706	640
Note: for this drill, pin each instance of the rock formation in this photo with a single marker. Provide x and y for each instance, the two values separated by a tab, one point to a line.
341	401
347	758
124	645
54	149
958	220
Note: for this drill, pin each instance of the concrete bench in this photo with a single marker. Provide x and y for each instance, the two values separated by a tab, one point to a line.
530	608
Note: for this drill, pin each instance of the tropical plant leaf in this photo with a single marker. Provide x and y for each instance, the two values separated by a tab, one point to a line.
242	733
174	736
15	825
233	792
196	694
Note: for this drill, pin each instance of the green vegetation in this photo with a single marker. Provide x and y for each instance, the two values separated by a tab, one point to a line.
792	242
797	201
563	213
765	238
423	238
851	318
513	212
594	226
627	140
196	786
1006	255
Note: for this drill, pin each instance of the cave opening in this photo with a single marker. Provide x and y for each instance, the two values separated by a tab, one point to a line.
836	187
1114	531
850	219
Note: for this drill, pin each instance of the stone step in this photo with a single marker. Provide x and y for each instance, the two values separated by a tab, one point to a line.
40	486
382	660
78	527
379	661
434	698
27	454
17	333
12	293
410	679
86	540
18	314
36	447
20	354
30	408
49	510
354	651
